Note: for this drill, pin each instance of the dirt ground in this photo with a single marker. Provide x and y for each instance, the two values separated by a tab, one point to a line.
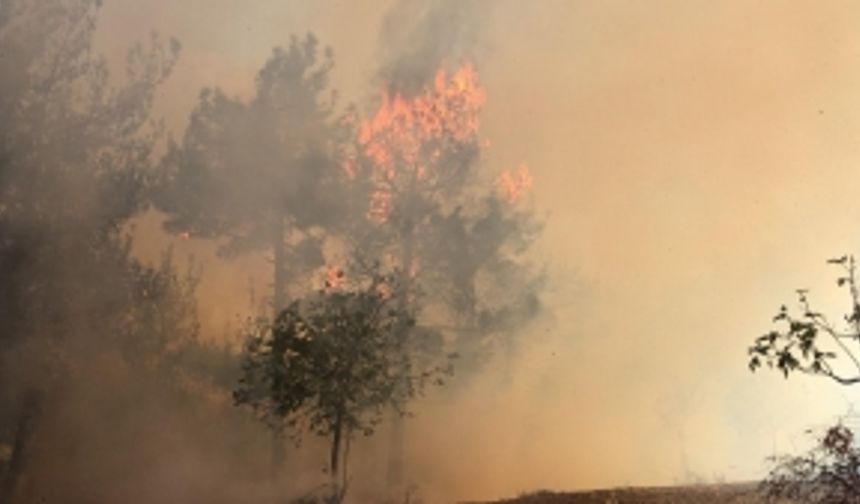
705	494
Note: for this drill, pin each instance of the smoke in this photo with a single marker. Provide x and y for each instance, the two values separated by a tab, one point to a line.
418	37
671	147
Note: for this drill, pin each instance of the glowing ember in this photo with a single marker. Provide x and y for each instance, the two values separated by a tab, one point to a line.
384	291
348	167
513	185
334	278
380	205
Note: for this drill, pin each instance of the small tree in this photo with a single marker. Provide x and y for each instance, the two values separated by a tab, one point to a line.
331	364
827	474
798	346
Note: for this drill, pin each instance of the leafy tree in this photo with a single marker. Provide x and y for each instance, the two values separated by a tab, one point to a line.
332	363
261	174
810	343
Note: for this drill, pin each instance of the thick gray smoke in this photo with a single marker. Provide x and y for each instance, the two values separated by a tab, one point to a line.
110	388
418	37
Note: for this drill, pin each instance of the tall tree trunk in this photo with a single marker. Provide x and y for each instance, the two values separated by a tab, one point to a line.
397	434
31	405
334	455
279	301
279	277
396	449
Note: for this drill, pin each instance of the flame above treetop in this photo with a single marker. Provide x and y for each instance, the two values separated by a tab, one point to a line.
406	131
409	140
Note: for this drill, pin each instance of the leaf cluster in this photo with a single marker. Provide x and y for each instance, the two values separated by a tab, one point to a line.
809	342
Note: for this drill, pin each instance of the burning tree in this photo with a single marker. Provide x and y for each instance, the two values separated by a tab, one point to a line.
425	207
430	210
331	364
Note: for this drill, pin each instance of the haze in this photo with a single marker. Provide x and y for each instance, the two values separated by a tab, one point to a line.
694	163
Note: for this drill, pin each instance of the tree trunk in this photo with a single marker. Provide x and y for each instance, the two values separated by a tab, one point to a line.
279	301
397	435
279	280
30	408
334	458
396	440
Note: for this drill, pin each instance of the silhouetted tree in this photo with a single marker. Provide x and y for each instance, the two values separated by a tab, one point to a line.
332	363
261	174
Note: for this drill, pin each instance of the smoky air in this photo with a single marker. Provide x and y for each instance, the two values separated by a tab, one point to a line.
410	251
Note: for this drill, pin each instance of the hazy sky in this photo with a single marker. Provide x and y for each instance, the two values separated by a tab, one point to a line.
696	162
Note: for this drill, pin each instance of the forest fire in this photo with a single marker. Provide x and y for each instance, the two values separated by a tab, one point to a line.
406	137
263	252
403	127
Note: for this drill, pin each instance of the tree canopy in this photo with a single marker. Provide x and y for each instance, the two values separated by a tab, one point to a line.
261	174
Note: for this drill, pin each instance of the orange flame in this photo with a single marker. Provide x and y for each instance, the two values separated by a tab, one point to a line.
380	205
384	291
513	185
334	278
406	135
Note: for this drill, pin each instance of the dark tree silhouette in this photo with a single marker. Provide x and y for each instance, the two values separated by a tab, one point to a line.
262	174
332	363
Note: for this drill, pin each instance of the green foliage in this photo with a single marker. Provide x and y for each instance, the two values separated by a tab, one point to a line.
809	343
334	360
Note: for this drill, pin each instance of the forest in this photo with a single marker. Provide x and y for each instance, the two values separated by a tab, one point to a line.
394	259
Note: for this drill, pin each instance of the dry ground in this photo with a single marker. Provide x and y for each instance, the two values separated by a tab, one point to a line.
705	494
